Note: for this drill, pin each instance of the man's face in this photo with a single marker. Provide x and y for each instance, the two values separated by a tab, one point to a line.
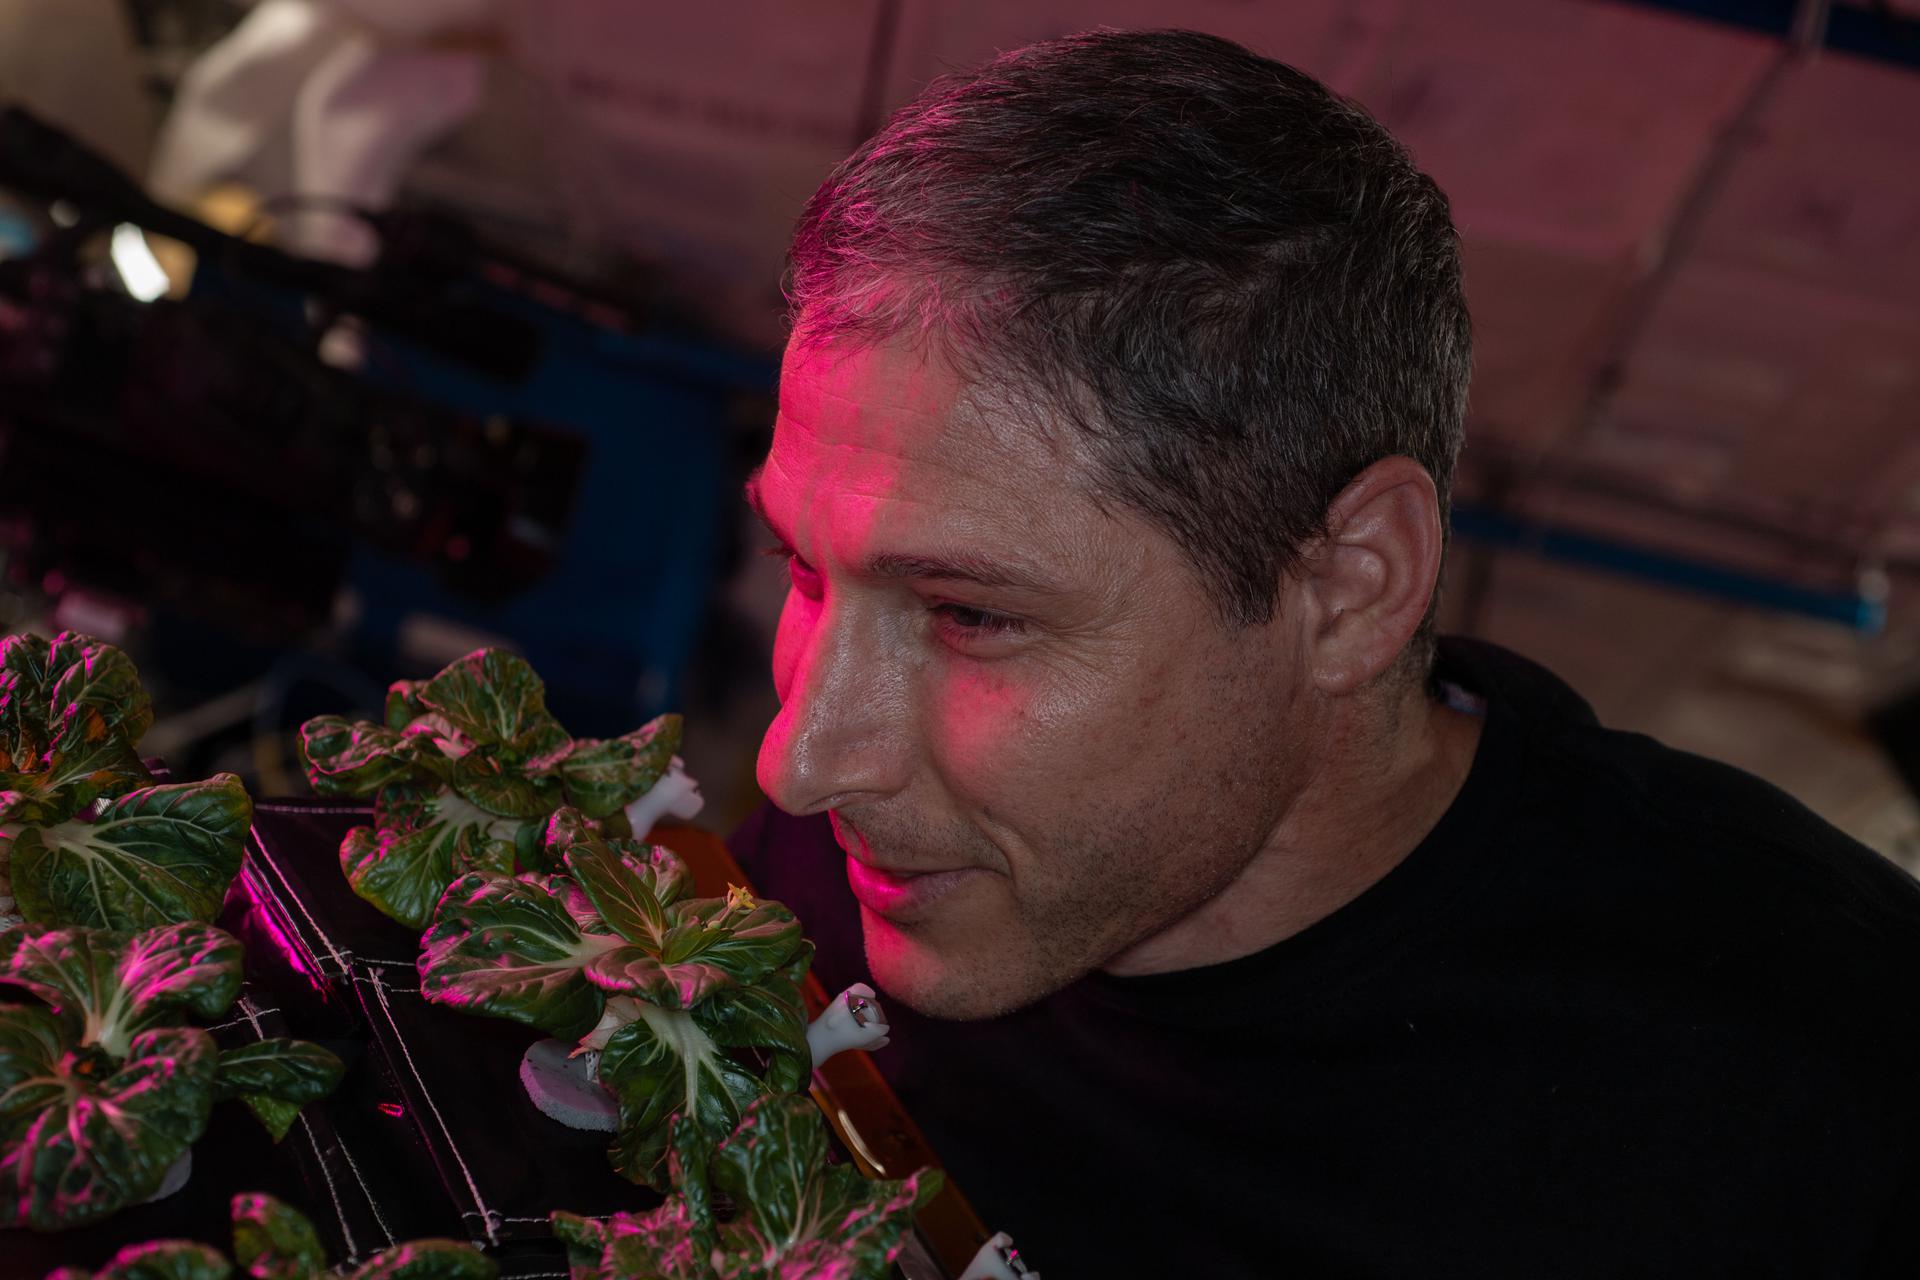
1037	742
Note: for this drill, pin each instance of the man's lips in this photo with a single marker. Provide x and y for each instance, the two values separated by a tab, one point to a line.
898	893
902	895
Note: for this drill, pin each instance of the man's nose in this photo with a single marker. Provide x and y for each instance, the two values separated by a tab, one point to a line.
841	736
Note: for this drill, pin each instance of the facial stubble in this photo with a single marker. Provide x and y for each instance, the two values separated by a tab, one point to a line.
1075	905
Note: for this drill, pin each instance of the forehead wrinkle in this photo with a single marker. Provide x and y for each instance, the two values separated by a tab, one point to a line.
995	415
926	390
951	449
1013	572
851	448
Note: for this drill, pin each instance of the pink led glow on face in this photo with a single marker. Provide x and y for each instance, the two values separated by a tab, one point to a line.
992	684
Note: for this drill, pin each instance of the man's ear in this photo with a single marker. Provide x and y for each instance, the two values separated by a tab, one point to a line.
1369	581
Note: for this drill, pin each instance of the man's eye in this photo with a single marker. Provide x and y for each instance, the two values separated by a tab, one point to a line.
962	620
805	578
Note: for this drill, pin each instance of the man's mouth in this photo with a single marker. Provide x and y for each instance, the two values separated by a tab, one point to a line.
902	896
898	893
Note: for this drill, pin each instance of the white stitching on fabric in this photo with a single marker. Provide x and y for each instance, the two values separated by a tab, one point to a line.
261	846
488	1216
372	1204
248	1017
271	807
339	1211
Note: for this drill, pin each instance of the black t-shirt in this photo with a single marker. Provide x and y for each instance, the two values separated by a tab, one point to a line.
1623	1012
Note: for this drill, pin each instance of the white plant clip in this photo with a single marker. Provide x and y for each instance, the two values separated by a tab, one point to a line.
854	1020
998	1260
674	793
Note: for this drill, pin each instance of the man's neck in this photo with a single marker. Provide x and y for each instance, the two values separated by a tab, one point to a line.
1379	788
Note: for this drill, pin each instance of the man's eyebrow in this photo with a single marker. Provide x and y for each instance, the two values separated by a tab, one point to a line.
981	570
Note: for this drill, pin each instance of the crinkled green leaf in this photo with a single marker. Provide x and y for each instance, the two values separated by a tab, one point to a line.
578	905
506	790
604	776
32	1042
529	848
689	1170
796	1217
770	1016
81	1137
771	1164
55	695
71	782
585	1239
512	948
795	969
166	1260
276	1115
71	715
155	856
272	1240
665	1243
620	889
420	841
24	690
96	691
276	1077
638	972
427	1260
679	951
747	937
658	868
114	984
492	696
400	872
477	743
352	758
437	743
673	1242
664	1063
799	1216
404	704
707	949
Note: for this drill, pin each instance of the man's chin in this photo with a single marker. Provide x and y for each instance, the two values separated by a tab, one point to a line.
981	982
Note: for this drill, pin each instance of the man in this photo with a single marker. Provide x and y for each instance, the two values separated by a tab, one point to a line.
1126	379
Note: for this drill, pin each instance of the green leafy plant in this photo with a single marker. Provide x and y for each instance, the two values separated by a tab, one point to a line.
86	836
693	1004
272	1240
464	773
795	1216
104	1087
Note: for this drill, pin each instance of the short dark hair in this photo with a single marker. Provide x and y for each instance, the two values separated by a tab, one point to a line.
1238	284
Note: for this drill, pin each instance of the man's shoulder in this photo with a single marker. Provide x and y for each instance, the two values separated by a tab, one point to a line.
1745	852
1677	841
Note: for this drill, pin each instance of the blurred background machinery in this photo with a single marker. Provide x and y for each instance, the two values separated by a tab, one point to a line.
485	338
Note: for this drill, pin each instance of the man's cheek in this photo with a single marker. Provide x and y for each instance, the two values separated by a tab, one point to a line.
983	721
